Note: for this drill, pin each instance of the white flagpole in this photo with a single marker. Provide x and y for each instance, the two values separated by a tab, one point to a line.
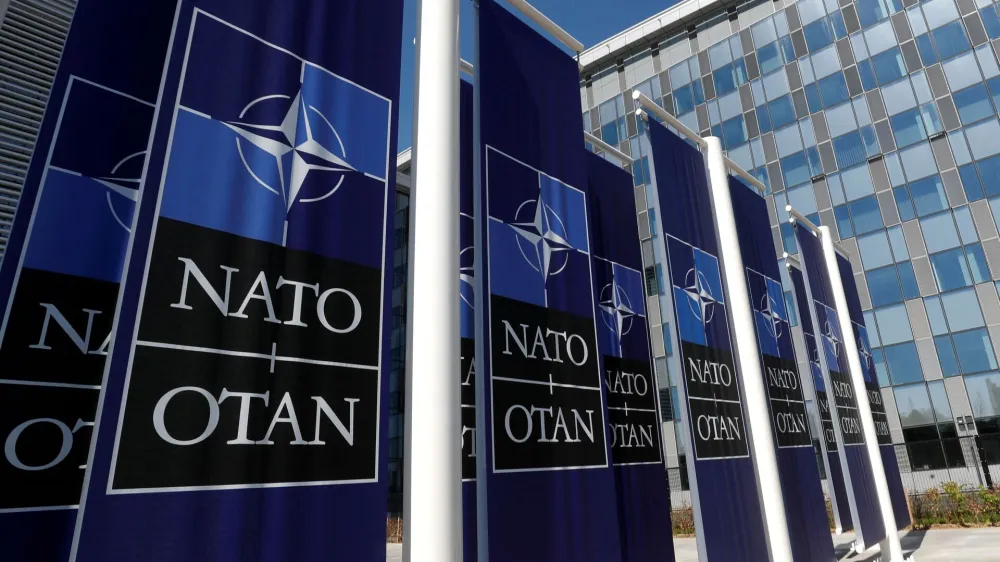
748	354
432	497
891	549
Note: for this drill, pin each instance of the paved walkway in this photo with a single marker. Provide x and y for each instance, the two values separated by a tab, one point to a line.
945	545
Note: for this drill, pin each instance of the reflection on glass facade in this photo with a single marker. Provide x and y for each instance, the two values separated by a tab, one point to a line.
877	118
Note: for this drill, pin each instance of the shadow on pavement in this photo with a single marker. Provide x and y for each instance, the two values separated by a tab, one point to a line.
910	542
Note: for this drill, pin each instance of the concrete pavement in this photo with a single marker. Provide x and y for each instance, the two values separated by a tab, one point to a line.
944	545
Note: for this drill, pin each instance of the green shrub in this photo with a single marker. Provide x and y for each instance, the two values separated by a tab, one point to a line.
682	520
955	504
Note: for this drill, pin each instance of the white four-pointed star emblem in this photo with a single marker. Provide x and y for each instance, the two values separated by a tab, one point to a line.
769	309
294	147
831	337
700	298
542	239
617	309
866	354
115	182
466	274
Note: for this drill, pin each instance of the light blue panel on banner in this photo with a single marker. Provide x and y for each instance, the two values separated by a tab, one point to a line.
60	274
244	404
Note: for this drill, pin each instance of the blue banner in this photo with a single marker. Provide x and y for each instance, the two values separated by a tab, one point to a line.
547	489
860	483
828	444
726	501
897	495
626	358
59	278
808	528
244	404
467	308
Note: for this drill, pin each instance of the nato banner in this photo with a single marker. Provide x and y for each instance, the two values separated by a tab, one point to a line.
467	327
243	407
805	508
828	443
897	495
724	494
629	380
860	482
59	279
549	490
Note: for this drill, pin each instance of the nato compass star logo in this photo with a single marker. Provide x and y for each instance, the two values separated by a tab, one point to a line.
700	298
294	146
617	309
294	155
866	354
832	338
770	309
541	237
814	353
466	275
125	184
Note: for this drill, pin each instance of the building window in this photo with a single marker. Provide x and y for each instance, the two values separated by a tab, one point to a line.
984	395
974	104
950	40
871	11
651	285
613	121
883	285
903	363
970	182
818	34
946	356
889	66
975	353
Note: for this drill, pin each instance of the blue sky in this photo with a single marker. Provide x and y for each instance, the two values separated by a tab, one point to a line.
590	21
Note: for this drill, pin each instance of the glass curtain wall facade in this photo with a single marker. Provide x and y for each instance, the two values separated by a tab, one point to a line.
877	118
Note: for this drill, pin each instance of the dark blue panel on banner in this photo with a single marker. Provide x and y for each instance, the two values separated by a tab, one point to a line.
723	484
897	495
549	490
808	528
243	408
629	379
59	279
835	475
846	418
467	284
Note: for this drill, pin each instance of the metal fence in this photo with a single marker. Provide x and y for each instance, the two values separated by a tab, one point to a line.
972	461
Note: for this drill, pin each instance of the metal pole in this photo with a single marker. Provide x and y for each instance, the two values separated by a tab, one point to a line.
619	155
744	332
545	23
651	106
984	462
891	549
432	498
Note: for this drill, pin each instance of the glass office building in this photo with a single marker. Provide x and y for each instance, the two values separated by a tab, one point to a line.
877	118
